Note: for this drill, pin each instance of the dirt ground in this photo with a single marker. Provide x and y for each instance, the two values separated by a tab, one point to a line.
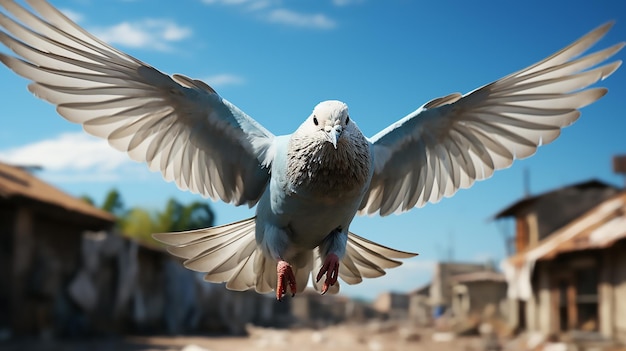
351	338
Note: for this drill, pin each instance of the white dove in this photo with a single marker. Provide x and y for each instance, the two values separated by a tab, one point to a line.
309	185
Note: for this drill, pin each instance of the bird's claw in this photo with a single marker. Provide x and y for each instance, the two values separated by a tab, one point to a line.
285	277
331	269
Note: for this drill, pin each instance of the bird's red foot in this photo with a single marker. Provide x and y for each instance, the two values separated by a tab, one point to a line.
331	268
285	277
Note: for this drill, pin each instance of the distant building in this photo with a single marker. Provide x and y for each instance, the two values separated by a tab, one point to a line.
393	305
40	245
457	290
479	295
420	311
441	288
311	309
571	277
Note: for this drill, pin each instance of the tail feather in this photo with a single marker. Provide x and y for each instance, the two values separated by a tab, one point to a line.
244	277
377	249
226	253
229	253
367	259
302	267
189	237
348	271
265	273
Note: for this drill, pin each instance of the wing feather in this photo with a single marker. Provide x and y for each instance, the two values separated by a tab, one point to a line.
177	125
450	142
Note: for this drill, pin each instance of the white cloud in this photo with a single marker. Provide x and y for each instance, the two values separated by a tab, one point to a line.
259	5
77	152
150	33
346	2
73	15
245	4
225	2
89	177
172	32
224	79
269	11
298	19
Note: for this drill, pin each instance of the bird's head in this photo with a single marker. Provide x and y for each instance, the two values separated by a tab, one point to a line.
329	119
328	154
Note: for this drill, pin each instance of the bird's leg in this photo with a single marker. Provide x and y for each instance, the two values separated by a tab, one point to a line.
274	242
331	269
285	277
333	247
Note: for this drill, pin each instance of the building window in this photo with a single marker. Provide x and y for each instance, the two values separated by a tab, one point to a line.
587	299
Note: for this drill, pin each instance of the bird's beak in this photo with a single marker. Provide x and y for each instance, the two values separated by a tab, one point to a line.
333	135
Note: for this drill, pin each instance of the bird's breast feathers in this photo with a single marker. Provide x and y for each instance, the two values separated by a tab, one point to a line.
314	166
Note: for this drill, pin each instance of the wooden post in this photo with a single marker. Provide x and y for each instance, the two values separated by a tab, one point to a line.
572	308
22	259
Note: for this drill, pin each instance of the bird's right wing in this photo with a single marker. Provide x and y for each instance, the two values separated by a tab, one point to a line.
177	125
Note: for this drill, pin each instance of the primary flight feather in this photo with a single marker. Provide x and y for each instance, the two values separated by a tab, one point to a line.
307	186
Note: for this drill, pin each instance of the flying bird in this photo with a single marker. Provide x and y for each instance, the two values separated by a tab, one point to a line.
308	186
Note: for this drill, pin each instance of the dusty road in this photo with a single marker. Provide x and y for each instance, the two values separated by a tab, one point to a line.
351	338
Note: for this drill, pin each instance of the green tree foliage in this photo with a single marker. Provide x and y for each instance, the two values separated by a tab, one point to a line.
177	217
113	203
138	223
88	200
141	223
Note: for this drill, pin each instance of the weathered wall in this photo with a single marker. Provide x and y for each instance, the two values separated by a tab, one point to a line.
619	291
484	293
554	212
7	215
45	256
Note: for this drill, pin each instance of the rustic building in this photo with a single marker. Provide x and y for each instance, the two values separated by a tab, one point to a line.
124	286
420	311
40	247
479	295
64	271
538	216
441	288
457	291
393	305
312	309
171	299
574	279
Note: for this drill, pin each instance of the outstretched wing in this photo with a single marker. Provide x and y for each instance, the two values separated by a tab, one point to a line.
177	125
451	142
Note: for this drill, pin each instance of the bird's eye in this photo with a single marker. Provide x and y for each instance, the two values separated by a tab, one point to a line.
315	120
347	119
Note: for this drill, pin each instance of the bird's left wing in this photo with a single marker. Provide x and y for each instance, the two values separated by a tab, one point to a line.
450	142
177	125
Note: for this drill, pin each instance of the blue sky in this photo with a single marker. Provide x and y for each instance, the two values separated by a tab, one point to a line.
277	59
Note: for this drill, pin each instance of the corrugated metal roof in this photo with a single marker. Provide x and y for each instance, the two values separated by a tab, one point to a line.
18	183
